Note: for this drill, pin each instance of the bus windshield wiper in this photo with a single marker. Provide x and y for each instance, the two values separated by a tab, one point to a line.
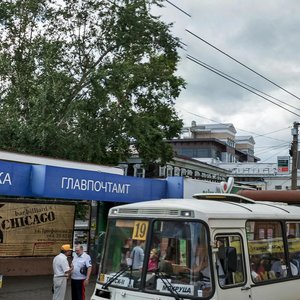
160	275
112	279
168	285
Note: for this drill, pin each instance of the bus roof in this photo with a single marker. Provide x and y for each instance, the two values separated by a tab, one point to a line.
210	206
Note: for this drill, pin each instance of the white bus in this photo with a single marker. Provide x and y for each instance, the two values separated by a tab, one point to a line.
216	246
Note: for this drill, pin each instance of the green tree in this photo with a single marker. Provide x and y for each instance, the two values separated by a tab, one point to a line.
86	80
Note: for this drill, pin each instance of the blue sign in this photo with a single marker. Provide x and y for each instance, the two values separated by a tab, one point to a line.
54	182
14	179
67	183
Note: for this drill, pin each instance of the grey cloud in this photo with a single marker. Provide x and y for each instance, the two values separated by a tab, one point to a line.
262	34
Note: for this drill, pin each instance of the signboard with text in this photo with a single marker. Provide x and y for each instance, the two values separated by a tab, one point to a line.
34	229
283	164
66	183
27	180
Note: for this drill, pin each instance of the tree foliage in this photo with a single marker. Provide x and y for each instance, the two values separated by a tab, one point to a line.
85	80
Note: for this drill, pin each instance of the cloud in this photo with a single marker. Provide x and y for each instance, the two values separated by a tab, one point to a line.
264	35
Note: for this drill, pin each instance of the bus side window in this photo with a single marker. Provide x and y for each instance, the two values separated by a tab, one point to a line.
230	260
293	239
266	251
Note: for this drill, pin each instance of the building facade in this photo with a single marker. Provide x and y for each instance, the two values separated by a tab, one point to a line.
179	166
265	176
214	142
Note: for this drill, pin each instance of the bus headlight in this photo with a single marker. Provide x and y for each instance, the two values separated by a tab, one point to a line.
187	213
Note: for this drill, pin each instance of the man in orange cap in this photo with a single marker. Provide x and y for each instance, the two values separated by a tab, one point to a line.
61	270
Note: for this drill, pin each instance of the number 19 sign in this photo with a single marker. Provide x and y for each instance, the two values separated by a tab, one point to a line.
140	229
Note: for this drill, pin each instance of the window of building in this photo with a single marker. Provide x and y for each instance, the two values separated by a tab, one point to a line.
195	152
162	171
176	171
278	187
187	152
169	171
139	172
197	174
230	142
189	173
183	172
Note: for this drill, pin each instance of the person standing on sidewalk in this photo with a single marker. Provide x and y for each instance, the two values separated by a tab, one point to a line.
82	268
61	270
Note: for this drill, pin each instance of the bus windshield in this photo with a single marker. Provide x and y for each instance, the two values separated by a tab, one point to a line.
160	256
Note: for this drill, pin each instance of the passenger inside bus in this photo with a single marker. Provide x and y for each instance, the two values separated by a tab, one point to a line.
125	252
294	255
137	255
171	252
254	275
201	263
153	260
168	257
279	268
261	266
269	267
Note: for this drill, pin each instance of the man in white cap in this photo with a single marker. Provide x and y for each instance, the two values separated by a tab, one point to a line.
82	268
61	270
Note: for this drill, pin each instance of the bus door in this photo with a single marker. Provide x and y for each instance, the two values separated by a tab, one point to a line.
229	265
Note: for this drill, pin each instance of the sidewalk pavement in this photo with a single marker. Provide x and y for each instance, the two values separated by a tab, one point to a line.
36	288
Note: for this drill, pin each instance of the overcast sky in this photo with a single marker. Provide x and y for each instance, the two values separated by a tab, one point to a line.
265	36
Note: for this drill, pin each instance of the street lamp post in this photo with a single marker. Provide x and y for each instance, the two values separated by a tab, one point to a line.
294	152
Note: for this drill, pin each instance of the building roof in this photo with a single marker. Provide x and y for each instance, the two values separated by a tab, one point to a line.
244	138
199	163
55	162
210	127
